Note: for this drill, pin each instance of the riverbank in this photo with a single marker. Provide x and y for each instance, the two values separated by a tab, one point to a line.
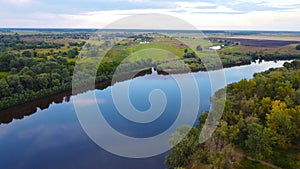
31	96
28	108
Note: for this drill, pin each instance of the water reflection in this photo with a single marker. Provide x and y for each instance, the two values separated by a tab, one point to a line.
27	109
53	138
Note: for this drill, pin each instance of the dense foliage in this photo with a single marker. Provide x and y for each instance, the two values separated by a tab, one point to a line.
14	42
33	69
261	120
30	79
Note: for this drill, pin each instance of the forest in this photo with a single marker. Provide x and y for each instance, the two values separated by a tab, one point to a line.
260	126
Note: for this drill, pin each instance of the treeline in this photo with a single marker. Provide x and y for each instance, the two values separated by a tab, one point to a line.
30	79
28	74
272	56
71	35
195	64
14	42
261	120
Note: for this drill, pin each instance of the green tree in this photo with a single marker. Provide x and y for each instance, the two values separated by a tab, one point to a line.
5	61
15	83
224	135
27	71
202	120
55	79
185	50
4	88
220	159
65	75
296	97
26	53
184	142
42	81
259	142
199	48
27	81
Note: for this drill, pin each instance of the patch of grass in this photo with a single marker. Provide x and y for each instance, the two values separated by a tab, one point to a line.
154	54
159	50
117	53
247	164
164	45
230	50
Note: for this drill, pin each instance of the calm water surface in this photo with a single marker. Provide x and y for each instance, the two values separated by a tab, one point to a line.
52	137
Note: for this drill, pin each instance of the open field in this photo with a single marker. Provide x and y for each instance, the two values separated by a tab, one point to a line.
261	37
259	42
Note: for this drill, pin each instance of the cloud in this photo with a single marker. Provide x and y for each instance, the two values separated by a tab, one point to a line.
280	3
18	2
259	5
207	14
194	4
202	7
138	1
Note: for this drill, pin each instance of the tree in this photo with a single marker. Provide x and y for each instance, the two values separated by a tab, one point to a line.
224	135
5	60
185	50
55	79
298	47
199	48
202	120
42	81
259	142
15	83
26	53
27	71
27	81
34	53
72	53
220	159
183	146
61	60
189	55
280	121
296	97
65	75
4	88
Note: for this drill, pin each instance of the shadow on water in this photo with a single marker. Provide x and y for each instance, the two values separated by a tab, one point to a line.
29	108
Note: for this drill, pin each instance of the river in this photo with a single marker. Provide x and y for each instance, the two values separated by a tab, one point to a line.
47	134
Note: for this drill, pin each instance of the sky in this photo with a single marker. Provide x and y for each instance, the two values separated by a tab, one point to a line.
203	14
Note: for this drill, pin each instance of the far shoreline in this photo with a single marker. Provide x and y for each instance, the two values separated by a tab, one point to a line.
7	115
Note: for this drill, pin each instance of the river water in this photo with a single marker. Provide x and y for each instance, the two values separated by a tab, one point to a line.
47	134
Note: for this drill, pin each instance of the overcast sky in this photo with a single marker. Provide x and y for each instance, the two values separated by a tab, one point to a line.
205	14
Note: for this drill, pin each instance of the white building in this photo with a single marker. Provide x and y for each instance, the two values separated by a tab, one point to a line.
215	48
145	42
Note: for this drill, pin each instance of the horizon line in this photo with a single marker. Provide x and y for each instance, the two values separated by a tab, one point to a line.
142	29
